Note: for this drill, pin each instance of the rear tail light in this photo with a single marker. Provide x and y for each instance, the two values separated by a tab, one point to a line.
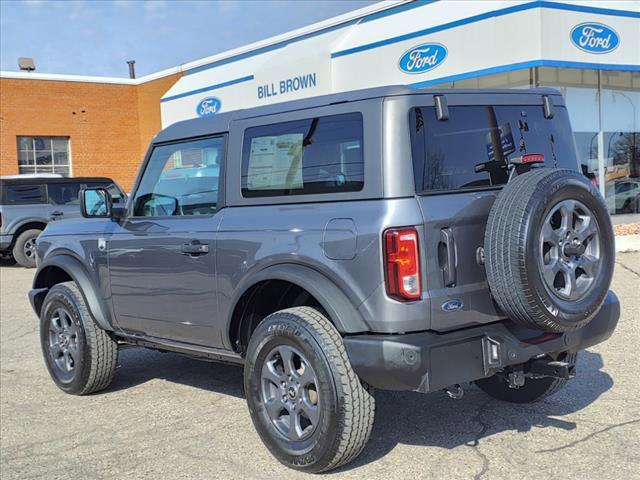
528	158
402	263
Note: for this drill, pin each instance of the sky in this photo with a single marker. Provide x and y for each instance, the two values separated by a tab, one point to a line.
97	37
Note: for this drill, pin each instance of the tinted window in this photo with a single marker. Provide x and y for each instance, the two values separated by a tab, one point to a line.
316	155
115	192
68	193
25	194
459	153
181	179
64	193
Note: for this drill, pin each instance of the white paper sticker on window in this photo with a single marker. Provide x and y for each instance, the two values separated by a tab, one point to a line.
275	162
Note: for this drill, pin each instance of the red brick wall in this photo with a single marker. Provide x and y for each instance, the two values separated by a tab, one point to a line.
109	125
149	95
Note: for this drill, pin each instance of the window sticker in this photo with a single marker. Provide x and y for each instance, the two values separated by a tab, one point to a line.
275	162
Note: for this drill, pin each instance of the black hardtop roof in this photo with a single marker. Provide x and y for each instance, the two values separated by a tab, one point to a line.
47	180
220	122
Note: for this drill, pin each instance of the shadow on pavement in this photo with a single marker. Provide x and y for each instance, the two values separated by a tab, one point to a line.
140	365
435	420
432	420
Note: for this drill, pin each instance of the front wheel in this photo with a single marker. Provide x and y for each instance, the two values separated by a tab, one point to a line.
81	357
306	402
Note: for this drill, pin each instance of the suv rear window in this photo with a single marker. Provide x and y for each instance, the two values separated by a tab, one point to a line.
24	194
315	155
459	154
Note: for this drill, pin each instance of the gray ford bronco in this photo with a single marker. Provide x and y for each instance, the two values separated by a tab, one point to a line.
381	239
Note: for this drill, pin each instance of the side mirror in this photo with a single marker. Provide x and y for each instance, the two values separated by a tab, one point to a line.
95	203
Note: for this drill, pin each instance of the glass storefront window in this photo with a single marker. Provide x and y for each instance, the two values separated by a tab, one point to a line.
604	109
621	124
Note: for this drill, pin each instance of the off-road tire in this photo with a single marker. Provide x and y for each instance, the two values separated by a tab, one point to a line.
513	250
18	248
534	389
97	356
347	405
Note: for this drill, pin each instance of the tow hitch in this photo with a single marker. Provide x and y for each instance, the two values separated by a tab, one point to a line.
542	367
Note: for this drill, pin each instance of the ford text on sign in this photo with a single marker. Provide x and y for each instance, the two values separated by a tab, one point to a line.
208	106
423	58
595	38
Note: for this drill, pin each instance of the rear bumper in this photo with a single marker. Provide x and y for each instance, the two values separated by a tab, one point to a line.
430	361
5	242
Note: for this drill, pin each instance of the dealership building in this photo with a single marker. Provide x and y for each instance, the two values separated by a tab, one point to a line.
589	50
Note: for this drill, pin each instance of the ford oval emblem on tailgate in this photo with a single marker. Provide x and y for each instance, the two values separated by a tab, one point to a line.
452	305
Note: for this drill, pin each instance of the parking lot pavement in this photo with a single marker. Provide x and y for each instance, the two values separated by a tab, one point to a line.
167	416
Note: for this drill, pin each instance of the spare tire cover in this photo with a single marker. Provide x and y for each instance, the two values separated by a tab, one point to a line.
549	250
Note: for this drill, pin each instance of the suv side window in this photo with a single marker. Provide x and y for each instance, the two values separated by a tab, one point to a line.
458	154
116	194
181	179
64	193
315	155
25	194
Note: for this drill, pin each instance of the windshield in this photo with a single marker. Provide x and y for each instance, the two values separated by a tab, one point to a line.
471	150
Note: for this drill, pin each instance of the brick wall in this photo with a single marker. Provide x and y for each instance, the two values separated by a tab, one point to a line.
149	95
109	125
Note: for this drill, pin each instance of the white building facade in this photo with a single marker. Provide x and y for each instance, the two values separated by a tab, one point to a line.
590	50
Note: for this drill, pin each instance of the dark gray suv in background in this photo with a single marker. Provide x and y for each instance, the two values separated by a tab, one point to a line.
388	238
28	203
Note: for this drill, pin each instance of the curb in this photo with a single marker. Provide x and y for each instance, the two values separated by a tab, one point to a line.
627	243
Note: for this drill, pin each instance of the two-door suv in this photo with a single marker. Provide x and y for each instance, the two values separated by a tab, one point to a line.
387	238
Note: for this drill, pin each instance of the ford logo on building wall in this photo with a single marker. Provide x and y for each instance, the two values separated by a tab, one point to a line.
423	58
595	38
209	106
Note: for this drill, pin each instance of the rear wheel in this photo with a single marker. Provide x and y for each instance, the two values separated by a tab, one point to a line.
533	390
306	402
24	250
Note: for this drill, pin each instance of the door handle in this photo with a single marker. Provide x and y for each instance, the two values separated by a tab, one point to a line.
447	257
195	248
55	215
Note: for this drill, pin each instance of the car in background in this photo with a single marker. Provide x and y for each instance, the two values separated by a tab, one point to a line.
28	203
624	197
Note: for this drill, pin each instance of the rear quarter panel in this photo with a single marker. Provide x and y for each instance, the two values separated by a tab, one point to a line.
251	239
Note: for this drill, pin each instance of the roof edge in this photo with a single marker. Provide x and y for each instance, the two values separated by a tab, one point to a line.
290	35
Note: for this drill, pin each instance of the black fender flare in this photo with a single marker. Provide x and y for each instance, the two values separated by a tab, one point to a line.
340	309
78	273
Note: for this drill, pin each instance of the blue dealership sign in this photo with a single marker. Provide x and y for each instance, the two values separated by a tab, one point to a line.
595	38
208	106
423	58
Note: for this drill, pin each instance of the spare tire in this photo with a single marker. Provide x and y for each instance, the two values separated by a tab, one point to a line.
549	250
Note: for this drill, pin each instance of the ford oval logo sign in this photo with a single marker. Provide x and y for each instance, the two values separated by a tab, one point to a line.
423	58
209	106
452	305
595	38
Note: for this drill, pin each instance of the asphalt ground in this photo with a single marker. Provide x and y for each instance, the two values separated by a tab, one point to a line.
167	416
